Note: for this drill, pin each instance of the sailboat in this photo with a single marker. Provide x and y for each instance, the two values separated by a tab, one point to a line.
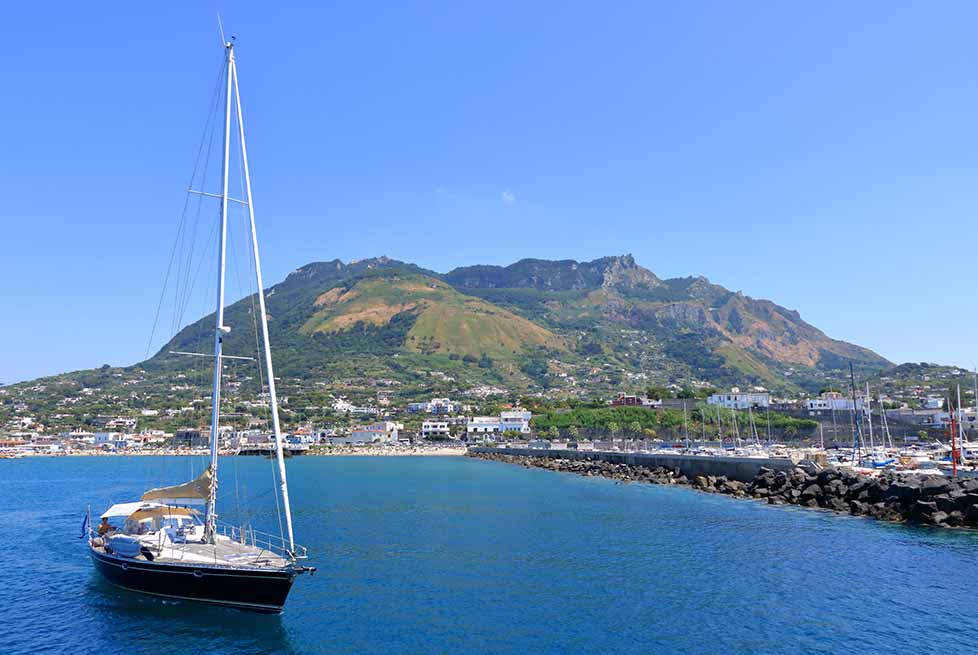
170	542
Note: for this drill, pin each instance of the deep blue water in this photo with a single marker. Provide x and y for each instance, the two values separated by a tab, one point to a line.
450	555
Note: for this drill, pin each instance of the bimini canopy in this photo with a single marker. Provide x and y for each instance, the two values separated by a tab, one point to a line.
194	492
124	509
156	511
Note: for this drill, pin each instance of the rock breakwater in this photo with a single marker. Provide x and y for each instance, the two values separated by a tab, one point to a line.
911	498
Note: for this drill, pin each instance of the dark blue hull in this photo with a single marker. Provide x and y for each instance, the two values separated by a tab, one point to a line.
241	588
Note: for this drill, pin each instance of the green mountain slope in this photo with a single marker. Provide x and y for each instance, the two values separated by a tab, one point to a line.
445	321
582	329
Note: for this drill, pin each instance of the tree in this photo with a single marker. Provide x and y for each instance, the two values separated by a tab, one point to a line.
573	431
657	393
485	361
613	428
635	427
553	432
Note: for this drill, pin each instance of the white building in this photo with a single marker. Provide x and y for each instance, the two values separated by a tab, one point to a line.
512	421
435	430
736	399
435	406
382	432
102	438
833	401
516	421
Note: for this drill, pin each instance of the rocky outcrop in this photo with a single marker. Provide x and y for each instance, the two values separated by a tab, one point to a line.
919	499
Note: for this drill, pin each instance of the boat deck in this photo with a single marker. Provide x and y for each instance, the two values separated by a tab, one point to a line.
223	553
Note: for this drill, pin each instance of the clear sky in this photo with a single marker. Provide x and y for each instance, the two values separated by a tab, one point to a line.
822	155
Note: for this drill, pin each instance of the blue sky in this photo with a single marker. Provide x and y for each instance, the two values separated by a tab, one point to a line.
822	155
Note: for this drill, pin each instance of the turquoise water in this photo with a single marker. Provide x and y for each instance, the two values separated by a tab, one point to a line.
450	555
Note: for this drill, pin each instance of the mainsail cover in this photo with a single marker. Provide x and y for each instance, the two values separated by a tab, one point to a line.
189	493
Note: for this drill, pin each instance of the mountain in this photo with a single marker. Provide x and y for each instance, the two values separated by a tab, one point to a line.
565	275
569	325
380	331
681	324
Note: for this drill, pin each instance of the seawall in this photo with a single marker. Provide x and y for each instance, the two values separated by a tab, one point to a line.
933	500
743	469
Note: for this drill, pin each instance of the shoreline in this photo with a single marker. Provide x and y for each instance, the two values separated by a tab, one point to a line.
933	501
386	451
316	451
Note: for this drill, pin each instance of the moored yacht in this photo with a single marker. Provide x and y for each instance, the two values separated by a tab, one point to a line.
169	542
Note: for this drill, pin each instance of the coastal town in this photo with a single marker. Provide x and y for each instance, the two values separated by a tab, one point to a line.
81	420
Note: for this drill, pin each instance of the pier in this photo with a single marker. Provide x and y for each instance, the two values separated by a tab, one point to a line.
743	469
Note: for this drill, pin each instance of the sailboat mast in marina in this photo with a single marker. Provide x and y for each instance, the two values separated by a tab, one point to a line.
164	547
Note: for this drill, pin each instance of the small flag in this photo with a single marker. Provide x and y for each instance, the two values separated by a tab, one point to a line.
84	529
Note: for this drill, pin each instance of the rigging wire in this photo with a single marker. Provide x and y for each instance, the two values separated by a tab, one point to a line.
182	224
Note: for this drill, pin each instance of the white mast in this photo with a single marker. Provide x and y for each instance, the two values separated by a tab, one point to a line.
685	425
960	420
887	439
869	416
273	399
220	330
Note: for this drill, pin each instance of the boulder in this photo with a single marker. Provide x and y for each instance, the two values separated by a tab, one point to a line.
733	487
906	489
799	478
954	519
933	485
835	503
946	503
835	487
812	491
968	485
923	509
827	475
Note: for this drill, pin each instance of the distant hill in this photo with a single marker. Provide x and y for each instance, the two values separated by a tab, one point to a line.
682	324
534	324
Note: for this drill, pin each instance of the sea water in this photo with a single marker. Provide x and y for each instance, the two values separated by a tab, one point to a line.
452	555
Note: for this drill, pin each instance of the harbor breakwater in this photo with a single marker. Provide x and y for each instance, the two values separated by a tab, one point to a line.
908	498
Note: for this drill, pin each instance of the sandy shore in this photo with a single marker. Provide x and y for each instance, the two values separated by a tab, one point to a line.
387	451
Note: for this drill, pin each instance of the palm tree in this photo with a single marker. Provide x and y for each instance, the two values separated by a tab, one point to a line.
613	428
